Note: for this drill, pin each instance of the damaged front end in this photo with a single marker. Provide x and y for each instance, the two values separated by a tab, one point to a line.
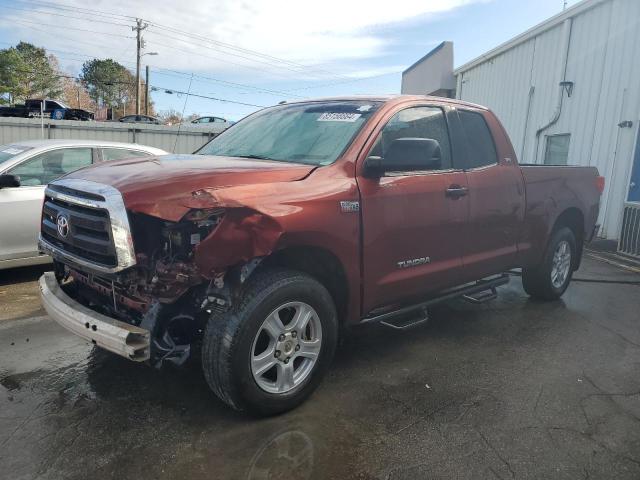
184	272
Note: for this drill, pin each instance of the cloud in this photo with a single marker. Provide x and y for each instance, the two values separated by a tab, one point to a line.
326	34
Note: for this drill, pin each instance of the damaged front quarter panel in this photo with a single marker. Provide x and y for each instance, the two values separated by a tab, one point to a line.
243	233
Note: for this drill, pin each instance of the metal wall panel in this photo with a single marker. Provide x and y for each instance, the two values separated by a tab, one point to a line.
604	65
166	137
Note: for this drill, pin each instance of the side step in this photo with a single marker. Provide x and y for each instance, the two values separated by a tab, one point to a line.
413	315
408	320
482	297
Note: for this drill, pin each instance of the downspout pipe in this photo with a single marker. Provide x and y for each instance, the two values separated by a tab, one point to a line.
562	71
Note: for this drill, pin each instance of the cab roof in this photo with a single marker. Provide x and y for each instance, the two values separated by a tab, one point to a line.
389	98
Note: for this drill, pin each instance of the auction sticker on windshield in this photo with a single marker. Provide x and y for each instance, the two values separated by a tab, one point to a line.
339	117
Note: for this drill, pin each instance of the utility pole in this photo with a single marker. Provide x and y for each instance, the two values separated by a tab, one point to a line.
146	91
139	43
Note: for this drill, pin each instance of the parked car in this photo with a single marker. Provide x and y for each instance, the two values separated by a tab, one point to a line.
25	169
301	220
140	119
207	121
54	109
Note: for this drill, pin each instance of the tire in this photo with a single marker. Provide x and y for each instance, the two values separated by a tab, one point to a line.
232	338
540	282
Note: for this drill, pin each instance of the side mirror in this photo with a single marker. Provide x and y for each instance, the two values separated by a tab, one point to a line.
8	181
406	155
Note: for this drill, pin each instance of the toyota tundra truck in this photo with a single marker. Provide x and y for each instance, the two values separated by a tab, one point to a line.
256	253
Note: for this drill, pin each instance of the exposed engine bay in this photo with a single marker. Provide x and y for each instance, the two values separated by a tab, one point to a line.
166	292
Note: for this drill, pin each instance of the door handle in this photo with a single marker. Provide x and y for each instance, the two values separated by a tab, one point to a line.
456	191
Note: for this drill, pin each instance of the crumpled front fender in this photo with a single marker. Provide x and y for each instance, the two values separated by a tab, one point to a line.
243	234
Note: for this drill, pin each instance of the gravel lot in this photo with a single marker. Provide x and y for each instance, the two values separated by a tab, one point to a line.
509	389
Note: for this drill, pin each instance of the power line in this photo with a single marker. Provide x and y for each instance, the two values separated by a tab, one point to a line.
66	16
346	81
178	92
293	66
86	11
225	82
237	55
271	59
251	67
22	20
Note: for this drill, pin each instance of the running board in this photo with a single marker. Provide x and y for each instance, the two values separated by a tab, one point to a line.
483	297
408	320
467	292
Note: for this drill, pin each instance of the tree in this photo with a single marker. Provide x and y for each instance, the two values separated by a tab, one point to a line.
26	71
112	84
76	95
170	117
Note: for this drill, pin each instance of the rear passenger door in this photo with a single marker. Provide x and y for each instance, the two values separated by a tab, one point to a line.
412	227
496	196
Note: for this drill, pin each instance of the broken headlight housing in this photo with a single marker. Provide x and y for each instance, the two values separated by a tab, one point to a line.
180	238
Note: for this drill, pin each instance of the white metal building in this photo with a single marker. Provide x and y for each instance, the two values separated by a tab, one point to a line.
568	92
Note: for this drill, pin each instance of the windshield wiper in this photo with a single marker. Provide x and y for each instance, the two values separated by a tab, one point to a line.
257	157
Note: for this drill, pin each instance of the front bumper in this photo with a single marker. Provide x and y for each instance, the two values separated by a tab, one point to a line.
118	337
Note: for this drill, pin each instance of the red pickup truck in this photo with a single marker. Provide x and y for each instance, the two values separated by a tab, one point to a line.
305	218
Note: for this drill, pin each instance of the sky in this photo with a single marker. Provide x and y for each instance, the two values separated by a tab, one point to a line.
255	53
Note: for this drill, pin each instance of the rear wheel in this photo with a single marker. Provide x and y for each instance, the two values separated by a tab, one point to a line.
550	279
268	353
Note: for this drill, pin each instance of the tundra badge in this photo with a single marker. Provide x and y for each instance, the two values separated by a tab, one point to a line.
414	262
349	206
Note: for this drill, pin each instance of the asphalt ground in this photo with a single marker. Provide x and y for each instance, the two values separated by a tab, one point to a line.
514	388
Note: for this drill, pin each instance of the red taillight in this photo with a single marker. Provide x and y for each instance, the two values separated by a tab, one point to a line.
600	184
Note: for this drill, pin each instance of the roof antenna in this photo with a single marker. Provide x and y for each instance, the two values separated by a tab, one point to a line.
564	5
186	98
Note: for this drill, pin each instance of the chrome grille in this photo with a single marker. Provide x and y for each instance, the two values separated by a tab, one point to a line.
86	224
89	231
629	242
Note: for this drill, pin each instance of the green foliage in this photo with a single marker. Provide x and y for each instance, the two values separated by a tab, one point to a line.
26	71
109	81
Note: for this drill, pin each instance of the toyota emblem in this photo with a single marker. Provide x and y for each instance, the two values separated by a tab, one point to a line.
63	225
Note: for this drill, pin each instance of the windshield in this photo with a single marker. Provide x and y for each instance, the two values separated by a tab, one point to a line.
7	152
311	133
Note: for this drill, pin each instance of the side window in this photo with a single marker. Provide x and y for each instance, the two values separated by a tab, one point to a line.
48	166
482	150
109	154
416	122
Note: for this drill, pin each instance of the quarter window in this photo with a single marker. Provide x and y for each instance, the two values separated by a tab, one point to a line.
109	154
482	150
48	166
416	122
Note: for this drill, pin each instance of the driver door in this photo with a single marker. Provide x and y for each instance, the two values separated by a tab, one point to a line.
412	227
21	206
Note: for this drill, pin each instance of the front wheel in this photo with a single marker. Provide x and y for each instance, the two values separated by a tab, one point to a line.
550	279
268	353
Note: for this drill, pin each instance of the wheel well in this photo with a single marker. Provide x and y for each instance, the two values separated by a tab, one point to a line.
573	219
320	264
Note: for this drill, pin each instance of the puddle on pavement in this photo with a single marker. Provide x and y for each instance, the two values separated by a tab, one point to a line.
131	420
437	402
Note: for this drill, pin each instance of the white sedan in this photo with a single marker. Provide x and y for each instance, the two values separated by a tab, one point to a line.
25	169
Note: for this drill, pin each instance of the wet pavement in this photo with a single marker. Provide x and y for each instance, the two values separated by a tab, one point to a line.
510	389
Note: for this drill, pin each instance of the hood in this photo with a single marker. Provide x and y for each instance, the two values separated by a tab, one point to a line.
163	186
